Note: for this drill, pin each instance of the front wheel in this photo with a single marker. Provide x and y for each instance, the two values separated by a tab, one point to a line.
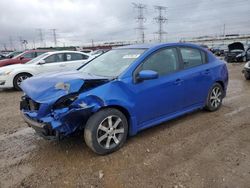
215	97
18	80
106	131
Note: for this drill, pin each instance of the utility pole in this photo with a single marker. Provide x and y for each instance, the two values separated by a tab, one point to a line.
54	37
160	19
25	42
34	44
224	34
140	19
5	47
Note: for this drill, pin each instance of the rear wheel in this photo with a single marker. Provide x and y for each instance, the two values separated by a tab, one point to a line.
215	97
18	80
106	131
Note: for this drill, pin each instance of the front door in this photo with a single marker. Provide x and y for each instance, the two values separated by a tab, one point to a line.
162	96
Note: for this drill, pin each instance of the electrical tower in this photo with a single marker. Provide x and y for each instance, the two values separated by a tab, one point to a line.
140	19
54	37
42	42
160	19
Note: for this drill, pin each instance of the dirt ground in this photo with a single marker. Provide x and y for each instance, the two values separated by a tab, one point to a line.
201	149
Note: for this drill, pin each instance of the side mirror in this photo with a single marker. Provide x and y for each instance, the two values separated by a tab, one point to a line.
147	75
41	62
21	57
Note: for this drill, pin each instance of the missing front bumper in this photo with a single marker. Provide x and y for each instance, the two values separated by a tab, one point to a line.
42	129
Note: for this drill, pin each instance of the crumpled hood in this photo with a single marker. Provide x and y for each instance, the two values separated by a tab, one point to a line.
236	46
47	88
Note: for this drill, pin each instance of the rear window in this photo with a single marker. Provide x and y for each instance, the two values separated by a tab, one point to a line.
192	57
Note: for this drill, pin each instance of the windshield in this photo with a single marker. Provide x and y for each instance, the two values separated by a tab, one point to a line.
37	59
112	63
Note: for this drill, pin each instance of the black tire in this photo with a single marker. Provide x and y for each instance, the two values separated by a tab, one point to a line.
16	81
98	134
215	97
247	75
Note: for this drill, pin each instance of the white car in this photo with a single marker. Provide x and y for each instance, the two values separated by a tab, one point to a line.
57	61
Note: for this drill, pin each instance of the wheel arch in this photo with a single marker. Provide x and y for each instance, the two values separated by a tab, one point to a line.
125	112
18	73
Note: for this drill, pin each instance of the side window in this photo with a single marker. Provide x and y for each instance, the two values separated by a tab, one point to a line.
39	53
29	55
55	58
163	62
192	57
75	57
85	57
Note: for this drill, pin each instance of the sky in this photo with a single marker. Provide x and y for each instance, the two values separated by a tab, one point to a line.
79	22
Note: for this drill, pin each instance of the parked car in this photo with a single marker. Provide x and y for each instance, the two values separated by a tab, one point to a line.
244	56
2	56
12	76
246	70
99	52
13	54
22	58
219	50
235	51
124	91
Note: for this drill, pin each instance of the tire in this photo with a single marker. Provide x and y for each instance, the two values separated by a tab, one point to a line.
18	80
215	97
106	131
247	75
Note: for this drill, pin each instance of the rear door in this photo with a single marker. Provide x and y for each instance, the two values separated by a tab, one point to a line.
197	76
75	60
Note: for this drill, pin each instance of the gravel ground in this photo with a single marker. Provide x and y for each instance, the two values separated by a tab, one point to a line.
201	149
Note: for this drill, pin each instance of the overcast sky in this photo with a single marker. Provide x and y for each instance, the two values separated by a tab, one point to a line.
79	21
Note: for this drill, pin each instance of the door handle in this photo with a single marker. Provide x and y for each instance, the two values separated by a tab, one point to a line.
207	71
178	81
62	65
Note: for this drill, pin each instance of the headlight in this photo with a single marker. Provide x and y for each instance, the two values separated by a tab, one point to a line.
65	101
5	73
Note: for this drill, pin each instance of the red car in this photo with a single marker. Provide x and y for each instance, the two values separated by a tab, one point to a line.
22	58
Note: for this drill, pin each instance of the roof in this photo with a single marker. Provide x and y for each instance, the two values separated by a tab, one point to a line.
155	45
66	51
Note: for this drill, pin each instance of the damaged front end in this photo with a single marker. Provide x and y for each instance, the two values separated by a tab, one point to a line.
236	52
60	110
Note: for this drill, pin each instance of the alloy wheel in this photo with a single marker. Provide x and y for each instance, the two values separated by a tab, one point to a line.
110	132
20	79
216	97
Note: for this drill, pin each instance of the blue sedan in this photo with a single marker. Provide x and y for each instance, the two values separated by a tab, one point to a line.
124	91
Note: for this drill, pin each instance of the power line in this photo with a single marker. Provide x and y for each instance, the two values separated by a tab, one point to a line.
140	19
160	19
